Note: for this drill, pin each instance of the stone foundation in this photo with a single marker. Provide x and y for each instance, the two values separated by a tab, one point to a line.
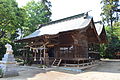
9	66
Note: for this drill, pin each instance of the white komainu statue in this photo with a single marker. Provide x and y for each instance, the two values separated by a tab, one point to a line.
9	49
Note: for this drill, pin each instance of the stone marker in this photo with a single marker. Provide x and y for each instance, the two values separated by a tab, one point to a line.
8	63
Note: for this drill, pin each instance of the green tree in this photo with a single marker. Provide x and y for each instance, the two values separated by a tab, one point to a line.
111	18
11	18
37	13
113	46
116	30
108	12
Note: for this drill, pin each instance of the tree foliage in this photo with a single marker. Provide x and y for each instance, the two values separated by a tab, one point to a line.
36	13
10	18
109	15
113	46
116	30
111	18
26	19
108	11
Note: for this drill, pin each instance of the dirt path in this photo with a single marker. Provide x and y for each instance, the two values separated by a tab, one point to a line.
108	70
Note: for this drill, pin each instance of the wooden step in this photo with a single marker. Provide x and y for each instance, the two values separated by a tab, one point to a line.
56	62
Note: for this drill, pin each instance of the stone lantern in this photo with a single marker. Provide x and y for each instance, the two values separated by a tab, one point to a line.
8	63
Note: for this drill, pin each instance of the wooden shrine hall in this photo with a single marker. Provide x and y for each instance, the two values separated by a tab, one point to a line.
70	40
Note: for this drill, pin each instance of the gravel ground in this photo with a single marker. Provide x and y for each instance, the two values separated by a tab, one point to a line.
107	70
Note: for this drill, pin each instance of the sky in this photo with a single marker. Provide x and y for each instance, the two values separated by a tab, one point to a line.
65	8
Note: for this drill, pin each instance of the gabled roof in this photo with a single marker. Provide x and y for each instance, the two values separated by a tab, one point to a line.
79	21
72	24
99	27
66	24
101	32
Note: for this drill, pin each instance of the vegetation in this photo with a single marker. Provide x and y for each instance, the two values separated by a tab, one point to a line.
15	21
113	46
108	11
111	20
36	13
10	19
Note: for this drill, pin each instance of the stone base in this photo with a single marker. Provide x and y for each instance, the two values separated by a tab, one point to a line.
8	58
10	74
9	70
9	66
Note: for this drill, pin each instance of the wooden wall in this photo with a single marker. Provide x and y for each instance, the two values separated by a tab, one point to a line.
72	45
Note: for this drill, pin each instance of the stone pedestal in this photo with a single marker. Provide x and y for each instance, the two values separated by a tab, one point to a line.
8	65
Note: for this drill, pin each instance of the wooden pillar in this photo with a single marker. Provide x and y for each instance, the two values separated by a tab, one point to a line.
75	51
35	56
44	51
40	56
68	52
23	52
44	54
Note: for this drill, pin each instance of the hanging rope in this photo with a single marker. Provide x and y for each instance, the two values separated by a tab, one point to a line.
35	57
36	51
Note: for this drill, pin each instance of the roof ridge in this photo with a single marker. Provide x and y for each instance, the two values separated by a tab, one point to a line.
65	19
